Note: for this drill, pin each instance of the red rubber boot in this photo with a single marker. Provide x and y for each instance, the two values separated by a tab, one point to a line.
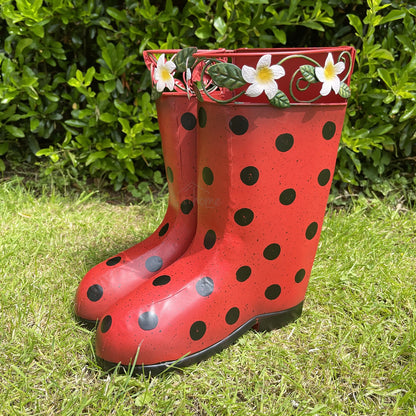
117	276
264	175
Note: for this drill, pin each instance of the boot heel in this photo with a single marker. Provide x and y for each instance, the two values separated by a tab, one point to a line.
276	320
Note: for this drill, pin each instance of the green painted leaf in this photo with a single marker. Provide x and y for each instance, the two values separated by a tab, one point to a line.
182	57
197	92
308	72
226	75
344	90
280	100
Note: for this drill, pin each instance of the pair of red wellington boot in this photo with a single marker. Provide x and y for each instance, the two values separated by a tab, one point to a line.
253	134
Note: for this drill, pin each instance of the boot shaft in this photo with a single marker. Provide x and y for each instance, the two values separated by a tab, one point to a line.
177	124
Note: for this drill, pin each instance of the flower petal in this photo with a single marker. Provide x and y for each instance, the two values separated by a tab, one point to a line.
254	90
339	67
170	66
160	86
161	60
278	71
326	88
329	59
336	84
320	74
170	84
248	73
265	60
271	89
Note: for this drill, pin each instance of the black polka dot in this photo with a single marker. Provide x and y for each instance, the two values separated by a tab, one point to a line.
202	117
188	121
244	216
169	174
243	273
207	176
324	176
249	175
106	323
205	286
271	252
238	125
300	275
328	130
197	330
154	263
94	293
284	142
164	230
210	239
232	316
272	292
311	230
186	206
287	196
161	280
148	321
113	261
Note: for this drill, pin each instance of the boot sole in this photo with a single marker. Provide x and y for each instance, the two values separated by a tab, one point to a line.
265	322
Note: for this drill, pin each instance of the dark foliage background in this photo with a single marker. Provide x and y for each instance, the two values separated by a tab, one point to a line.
75	94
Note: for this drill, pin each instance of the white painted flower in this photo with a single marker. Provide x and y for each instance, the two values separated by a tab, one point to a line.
163	74
328	75
263	77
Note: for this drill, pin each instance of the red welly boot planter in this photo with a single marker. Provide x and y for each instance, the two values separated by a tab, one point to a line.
264	175
113	278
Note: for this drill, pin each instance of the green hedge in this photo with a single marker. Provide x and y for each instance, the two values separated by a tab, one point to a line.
75	94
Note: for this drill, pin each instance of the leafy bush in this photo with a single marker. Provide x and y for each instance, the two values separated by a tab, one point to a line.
75	94
380	132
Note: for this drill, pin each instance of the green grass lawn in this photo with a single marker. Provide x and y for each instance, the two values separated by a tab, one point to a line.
351	353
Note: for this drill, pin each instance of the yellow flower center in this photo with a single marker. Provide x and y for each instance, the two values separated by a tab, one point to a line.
329	71
264	74
164	74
